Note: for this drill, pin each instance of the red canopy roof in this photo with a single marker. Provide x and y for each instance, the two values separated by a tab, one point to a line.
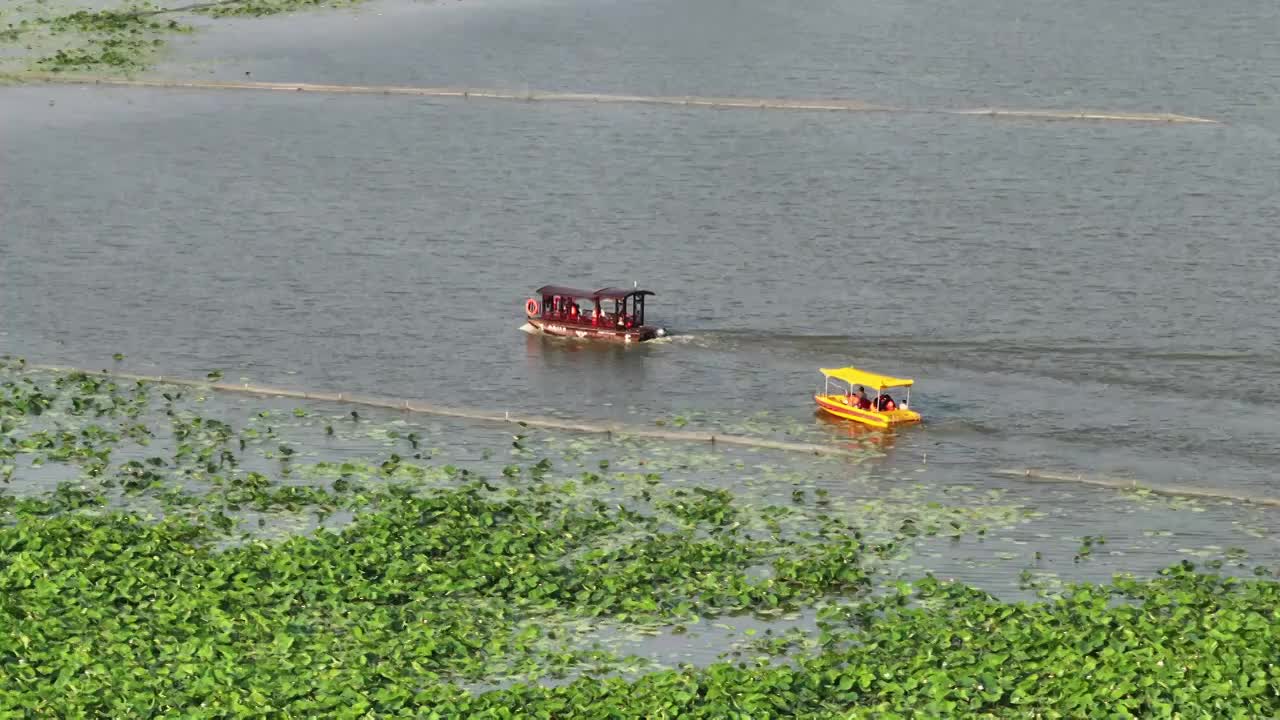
564	291
619	293
601	294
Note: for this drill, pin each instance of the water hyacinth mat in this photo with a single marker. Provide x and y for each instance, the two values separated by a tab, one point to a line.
168	552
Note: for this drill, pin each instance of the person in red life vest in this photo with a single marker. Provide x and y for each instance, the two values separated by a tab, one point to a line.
573	311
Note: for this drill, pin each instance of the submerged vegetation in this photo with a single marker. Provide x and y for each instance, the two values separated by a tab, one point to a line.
52	36
117	39
296	563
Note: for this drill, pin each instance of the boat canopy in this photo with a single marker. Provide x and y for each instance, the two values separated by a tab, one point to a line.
601	294
563	291
612	293
854	376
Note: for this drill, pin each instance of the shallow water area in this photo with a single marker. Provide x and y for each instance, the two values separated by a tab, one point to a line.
1077	297
1041	56
282	475
408	218
985	532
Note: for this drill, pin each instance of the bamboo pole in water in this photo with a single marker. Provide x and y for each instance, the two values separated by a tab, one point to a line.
833	105
609	428
425	408
1128	484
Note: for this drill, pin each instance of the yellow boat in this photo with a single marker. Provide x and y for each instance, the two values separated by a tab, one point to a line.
873	411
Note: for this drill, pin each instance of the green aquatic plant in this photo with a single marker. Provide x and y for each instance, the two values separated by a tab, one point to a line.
123	38
201	580
120	614
455	557
714	507
260	8
1087	544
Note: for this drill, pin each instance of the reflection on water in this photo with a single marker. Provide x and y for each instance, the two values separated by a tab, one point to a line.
1061	292
1036	336
856	436
583	374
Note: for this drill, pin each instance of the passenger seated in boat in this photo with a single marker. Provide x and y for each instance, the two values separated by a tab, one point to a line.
573	311
885	403
860	398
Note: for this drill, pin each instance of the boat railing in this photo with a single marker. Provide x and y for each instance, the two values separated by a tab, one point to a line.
607	320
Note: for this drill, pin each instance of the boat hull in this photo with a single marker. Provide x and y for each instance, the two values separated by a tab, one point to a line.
587	331
837	406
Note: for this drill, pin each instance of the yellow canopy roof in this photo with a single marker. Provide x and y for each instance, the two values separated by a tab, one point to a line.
854	376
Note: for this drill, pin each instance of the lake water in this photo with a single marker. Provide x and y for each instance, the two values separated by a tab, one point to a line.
1083	297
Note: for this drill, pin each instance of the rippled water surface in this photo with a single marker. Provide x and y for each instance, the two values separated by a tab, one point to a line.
1086	297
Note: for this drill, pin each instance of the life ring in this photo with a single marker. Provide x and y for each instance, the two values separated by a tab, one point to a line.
531	307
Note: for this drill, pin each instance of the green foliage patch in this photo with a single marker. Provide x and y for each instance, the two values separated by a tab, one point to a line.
126	39
140	586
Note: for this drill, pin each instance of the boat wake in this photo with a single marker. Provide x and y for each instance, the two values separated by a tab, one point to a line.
673	338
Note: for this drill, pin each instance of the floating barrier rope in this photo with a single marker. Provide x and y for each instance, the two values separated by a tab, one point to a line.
425	408
834	105
1127	484
610	428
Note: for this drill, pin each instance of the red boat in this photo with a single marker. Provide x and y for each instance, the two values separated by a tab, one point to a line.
613	314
